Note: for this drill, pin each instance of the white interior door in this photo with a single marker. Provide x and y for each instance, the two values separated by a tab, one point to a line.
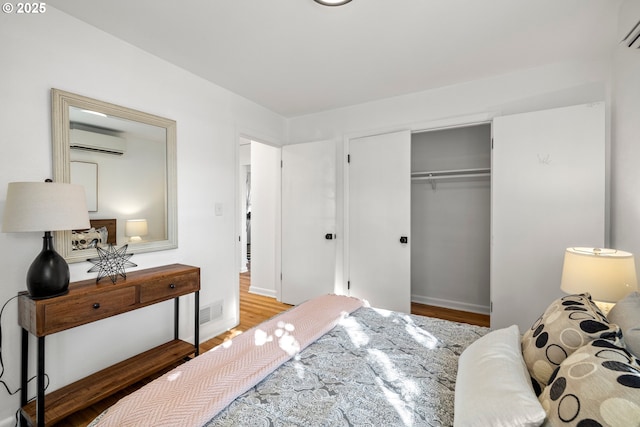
308	220
548	193
379	193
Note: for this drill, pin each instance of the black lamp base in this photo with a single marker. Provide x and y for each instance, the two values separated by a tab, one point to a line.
48	275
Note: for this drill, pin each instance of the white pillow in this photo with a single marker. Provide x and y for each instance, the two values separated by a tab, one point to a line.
626	314
493	386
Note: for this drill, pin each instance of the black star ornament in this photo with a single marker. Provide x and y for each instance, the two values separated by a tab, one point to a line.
111	262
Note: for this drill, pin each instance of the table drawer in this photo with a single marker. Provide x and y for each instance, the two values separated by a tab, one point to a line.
84	309
169	287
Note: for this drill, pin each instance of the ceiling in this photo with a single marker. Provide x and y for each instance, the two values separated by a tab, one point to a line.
296	57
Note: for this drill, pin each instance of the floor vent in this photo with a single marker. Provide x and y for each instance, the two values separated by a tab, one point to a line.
210	312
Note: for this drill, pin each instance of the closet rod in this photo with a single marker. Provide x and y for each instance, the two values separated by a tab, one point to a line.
436	177
433	176
452	173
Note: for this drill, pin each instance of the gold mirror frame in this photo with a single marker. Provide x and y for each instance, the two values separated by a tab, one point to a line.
61	101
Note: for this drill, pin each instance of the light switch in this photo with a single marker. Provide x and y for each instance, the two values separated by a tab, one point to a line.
218	209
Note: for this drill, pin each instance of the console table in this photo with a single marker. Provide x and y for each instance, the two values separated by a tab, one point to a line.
88	302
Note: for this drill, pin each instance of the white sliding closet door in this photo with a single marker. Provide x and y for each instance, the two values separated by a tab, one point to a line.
308	220
548	193
379	216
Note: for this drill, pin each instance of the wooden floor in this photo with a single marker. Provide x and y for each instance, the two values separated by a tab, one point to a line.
449	314
255	309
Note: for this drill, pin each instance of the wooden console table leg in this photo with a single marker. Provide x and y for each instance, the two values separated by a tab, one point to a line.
40	384
196	327
176	318
24	373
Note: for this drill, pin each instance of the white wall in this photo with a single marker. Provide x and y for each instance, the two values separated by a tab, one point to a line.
625	151
55	50
533	89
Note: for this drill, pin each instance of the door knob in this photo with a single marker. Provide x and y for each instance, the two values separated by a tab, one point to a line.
328	236
404	239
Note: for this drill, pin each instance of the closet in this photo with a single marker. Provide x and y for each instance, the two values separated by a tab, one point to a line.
492	209
451	217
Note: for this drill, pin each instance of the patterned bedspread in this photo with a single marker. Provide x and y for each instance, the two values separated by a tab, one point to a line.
376	368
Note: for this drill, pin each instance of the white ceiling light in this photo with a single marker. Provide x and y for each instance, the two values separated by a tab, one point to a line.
332	2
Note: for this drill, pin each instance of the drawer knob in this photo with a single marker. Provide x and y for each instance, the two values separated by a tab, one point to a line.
172	286
96	305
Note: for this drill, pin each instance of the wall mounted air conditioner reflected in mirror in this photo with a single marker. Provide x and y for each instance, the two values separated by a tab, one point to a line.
92	141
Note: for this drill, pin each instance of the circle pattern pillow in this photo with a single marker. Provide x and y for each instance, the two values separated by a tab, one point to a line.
598	385
88	239
567	324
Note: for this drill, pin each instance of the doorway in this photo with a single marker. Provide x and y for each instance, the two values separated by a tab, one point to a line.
259	215
245	205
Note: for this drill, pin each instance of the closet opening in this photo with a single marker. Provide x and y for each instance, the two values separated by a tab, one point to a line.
451	218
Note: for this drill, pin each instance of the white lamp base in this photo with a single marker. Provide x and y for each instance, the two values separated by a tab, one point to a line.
605	307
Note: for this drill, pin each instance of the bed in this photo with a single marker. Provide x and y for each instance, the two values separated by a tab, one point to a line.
333	361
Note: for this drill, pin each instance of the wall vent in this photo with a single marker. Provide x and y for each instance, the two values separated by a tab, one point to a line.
210	312
632	37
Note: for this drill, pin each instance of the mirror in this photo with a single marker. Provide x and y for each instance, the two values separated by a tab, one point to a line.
126	159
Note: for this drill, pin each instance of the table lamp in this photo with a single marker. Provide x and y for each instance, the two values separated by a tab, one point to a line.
135	229
45	206
607	274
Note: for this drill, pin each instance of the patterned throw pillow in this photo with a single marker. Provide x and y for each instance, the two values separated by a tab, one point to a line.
104	235
598	385
87	239
568	324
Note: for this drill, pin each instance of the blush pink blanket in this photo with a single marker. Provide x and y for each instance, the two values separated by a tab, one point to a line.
193	393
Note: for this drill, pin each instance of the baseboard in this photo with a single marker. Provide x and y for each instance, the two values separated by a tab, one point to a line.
215	329
454	305
8	422
262	291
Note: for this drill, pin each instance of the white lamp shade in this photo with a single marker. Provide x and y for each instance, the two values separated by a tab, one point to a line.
607	274
44	206
135	227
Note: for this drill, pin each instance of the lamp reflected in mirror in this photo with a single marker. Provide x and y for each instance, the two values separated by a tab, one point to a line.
135	229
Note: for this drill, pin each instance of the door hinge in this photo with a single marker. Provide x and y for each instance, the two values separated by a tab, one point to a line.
348	284
348	158
281	163
492	143
491	307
